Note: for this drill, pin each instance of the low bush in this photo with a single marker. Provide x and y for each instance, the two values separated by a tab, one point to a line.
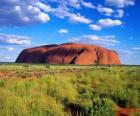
89	92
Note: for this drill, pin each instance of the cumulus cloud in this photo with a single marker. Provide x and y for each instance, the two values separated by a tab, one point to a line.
77	18
17	13
88	5
95	27
104	23
120	3
63	10
109	22
44	7
107	41
119	13
63	31
8	39
105	10
69	3
34	11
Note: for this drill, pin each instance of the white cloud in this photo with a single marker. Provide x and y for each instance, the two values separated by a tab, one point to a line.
73	3
63	11
17	13
88	5
105	10
104	23
77	18
7	57
63	31
97	40
44	7
125	54
136	48
43	17
10	48
72	17
35	11
67	3
120	3
7	48
4	58
14	39
95	27
119	13
109	22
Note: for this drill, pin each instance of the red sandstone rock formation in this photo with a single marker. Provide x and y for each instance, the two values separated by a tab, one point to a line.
69	53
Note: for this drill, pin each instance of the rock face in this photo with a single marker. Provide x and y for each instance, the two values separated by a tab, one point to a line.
69	53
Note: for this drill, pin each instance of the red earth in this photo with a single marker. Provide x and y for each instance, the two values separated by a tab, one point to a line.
127	111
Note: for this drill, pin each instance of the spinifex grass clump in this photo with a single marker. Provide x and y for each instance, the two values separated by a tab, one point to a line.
70	91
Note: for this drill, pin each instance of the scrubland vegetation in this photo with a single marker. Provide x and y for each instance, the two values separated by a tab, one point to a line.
67	90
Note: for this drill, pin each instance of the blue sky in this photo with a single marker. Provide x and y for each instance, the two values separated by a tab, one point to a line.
113	24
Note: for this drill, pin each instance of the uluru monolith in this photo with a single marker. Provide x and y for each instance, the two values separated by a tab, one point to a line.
69	53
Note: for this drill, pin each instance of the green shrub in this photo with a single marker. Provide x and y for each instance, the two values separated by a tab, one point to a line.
2	83
69	90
